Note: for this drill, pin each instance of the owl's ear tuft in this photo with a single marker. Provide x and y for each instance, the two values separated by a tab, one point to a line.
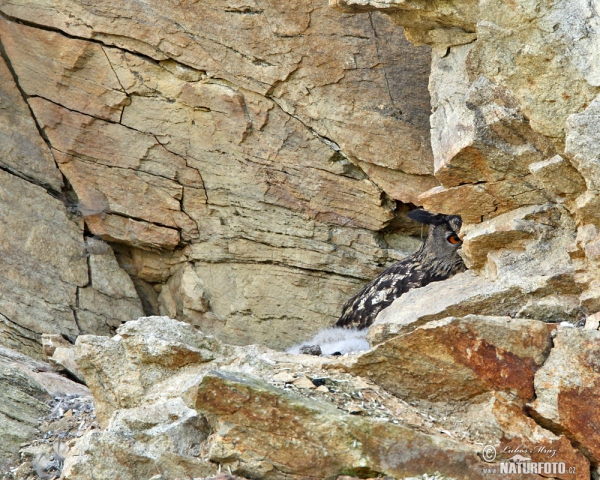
428	218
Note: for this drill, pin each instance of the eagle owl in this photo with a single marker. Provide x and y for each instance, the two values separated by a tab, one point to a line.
436	260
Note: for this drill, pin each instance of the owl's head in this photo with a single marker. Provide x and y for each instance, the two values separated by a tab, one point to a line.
443	231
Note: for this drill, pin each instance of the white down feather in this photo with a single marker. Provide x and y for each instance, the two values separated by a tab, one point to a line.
336	339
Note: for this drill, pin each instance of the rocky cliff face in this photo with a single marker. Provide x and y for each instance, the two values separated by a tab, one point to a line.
249	165
244	167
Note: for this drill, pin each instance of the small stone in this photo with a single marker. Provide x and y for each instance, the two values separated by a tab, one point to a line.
592	322
304	383
311	350
318	381
285	377
354	409
322	388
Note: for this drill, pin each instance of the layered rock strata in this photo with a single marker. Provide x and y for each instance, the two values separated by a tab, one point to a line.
245	167
249	165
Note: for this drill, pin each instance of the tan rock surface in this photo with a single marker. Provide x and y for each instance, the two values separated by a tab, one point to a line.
548	88
44	263
341	92
510	231
189	409
173	401
221	155
558	176
525	284
52	341
236	301
293	442
93	160
114	228
482	142
248	163
504	425
22	149
69	72
110	298
158	440
424	22
459	358
566	402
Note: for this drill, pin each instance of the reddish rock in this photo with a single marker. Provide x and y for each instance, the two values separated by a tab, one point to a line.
459	358
566	388
273	434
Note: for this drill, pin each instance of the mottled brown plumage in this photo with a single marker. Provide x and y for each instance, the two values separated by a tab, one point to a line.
436	260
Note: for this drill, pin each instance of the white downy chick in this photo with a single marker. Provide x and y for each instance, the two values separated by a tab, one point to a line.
336	340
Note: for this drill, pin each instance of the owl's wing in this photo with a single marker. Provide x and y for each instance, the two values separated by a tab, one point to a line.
361	310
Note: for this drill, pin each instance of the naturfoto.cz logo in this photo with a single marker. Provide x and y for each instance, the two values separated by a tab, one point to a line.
519	464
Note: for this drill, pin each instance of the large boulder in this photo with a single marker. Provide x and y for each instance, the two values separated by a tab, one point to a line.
459	358
566	400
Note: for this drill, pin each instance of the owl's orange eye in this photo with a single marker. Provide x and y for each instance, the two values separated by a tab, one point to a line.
453	239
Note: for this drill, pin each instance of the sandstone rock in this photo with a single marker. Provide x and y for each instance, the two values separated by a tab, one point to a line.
259	443
158	441
341	93
88	152
592	322
545	76
284	377
44	263
452	123
482	144
581	136
22	149
50	342
581	141
73	73
586	208
194	137
165	344
424	23
114	228
243	423
61	355
153	267
248	161
502	424
499	144
237	302
311	181
65	357
26	385
111	298
510	231
459	358
194	416
483	201
22	405
558	176
184	296
303	382
565	400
